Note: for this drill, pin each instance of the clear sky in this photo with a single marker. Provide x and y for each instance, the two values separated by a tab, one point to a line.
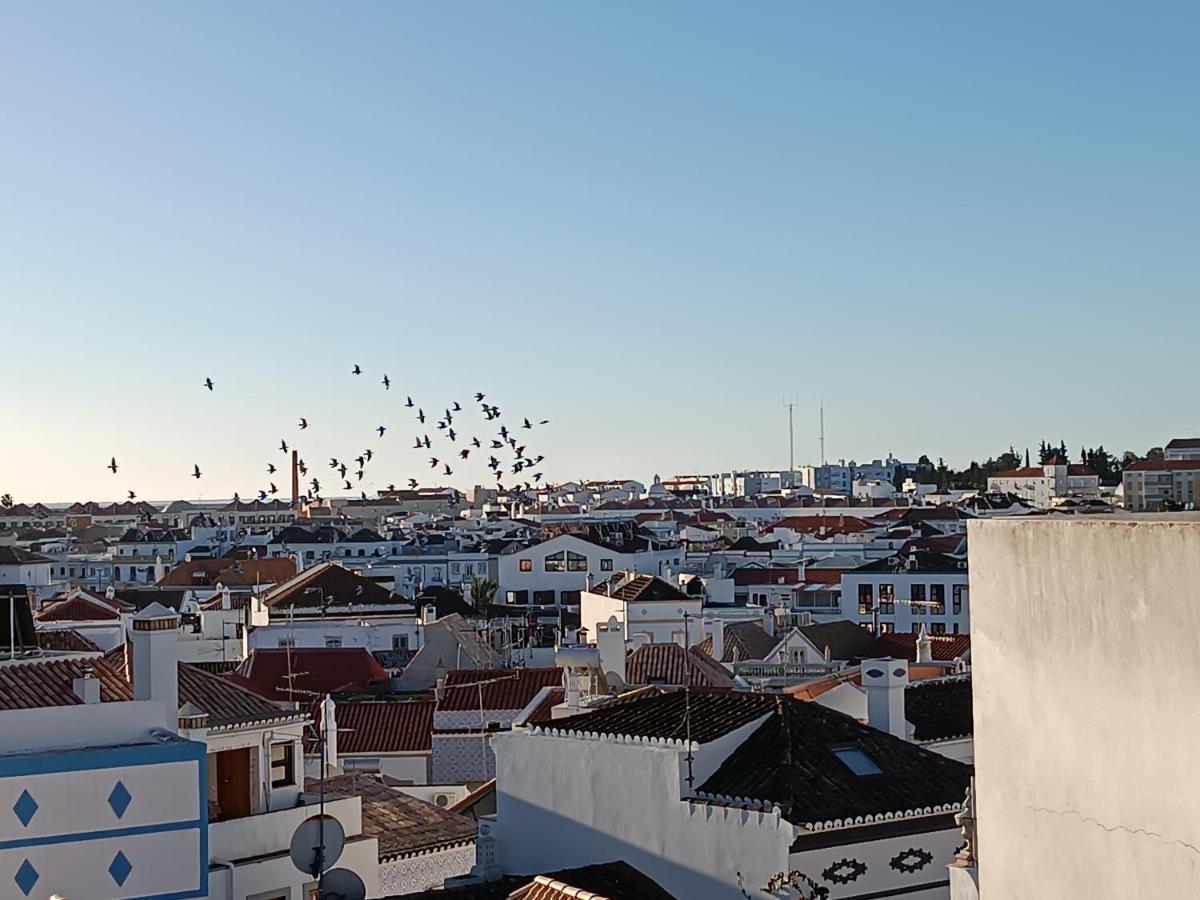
963	225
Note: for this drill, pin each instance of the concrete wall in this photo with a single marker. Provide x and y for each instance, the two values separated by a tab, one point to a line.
1086	663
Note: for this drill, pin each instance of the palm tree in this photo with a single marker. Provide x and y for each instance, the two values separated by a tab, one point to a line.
483	592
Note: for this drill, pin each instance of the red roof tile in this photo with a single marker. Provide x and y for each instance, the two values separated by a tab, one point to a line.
229	572
383	726
49	682
314	671
501	688
669	664
1161	465
79	609
903	645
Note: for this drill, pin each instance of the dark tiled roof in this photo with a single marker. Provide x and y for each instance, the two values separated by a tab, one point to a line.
512	689
65	639
13	556
845	640
919	560
753	575
640	587
329	585
544	710
383	726
49	682
1183	444
743	641
665	715
790	761
1155	465
903	645
604	881
403	825
940	708
315	671
671	665
229	572
749	544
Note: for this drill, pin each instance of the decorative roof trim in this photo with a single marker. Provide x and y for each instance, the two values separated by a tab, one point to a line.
606	738
856	821
426	851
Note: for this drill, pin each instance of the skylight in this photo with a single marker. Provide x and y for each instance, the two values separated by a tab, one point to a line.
857	761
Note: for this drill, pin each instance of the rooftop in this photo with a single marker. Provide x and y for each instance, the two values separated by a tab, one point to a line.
488	689
670	664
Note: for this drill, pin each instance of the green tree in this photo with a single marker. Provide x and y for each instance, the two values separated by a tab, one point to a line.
1154	453
483	592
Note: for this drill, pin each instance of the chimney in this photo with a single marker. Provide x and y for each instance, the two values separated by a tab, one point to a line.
768	620
715	629
87	686
156	660
428	614
329	733
610	644
924	646
884	680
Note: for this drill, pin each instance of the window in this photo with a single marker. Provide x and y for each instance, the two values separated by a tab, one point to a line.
887	599
543	598
332	641
569	598
937	593
856	761
937	628
576	562
399	641
606	565
518	598
525	565
917	595
957	599
556	562
866	599
287	642
283	771
886	627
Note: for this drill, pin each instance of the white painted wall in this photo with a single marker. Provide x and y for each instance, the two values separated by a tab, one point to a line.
1085	667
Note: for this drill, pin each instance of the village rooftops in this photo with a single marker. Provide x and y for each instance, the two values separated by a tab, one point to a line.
638	588
917	561
329	586
743	641
302	674
229	572
49	681
670	665
495	689
15	556
1163	465
903	645
940	709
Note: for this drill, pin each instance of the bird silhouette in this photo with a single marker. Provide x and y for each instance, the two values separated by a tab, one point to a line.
504	432
132	495
348	486
451	434
342	470
418	445
274	490
357	370
526	424
262	495
449	418
457	407
368	453
270	468
433	462
112	465
195	471
333	463
412	483
283	446
537	476
208	383
408	402
387	382
381	429
316	486
361	460
421	415
428	443
478	397
463	454
359	474
303	424
448	470
302	467
475	443
496	445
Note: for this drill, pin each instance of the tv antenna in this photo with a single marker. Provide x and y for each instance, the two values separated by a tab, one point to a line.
791	406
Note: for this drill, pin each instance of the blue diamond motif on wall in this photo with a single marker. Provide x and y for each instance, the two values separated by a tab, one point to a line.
25	808
26	877
120	868
118	799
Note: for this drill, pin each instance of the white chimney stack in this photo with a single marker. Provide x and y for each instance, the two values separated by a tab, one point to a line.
156	660
428	614
329	733
924	646
87	686
610	644
768	620
884	680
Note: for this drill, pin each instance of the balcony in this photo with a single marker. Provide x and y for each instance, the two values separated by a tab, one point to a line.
271	832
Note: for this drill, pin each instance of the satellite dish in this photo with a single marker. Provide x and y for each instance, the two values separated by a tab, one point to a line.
342	884
307	840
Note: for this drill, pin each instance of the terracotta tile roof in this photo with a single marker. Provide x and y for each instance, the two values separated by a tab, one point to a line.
940	708
65	639
671	665
839	524
543	712
49	682
846	640
510	689
15	556
639	588
903	645
791	760
315	671
403	825
383	726
712	714
1156	465
229	572
79	608
327	585
823	576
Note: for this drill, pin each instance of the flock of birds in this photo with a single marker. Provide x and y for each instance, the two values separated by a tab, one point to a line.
504	441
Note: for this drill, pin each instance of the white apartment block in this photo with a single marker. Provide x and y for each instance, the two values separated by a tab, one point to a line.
1156	484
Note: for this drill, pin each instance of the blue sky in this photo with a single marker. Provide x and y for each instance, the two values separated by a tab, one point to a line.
961	225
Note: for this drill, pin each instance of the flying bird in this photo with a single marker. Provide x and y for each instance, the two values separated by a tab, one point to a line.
448	470
457	407
271	468
433	462
496	445
357	370
132	495
451	434
316	486
283	446
262	495
302	467
412	483
359	474
361	460
387	382
342	470
112	465
478	397
333	463
475	443
526	424
195	471
274	490
208	383
348	486
421	415
463	454
408	402
381	429
428	443
303	424
368	453
418	445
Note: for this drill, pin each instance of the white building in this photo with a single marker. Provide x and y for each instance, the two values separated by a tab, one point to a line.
1182	448
1042	486
903	592
645	605
1152	485
33	570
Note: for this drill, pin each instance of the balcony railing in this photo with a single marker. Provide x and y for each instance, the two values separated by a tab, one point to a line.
783	670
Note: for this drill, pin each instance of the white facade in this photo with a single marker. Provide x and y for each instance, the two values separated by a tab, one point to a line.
903	601
661	620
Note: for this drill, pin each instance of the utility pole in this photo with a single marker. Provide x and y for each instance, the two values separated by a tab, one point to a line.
822	432
791	406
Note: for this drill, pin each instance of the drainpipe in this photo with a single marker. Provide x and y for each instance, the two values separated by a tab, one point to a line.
232	877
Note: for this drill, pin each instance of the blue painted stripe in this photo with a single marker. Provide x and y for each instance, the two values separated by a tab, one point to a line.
47	762
79	837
